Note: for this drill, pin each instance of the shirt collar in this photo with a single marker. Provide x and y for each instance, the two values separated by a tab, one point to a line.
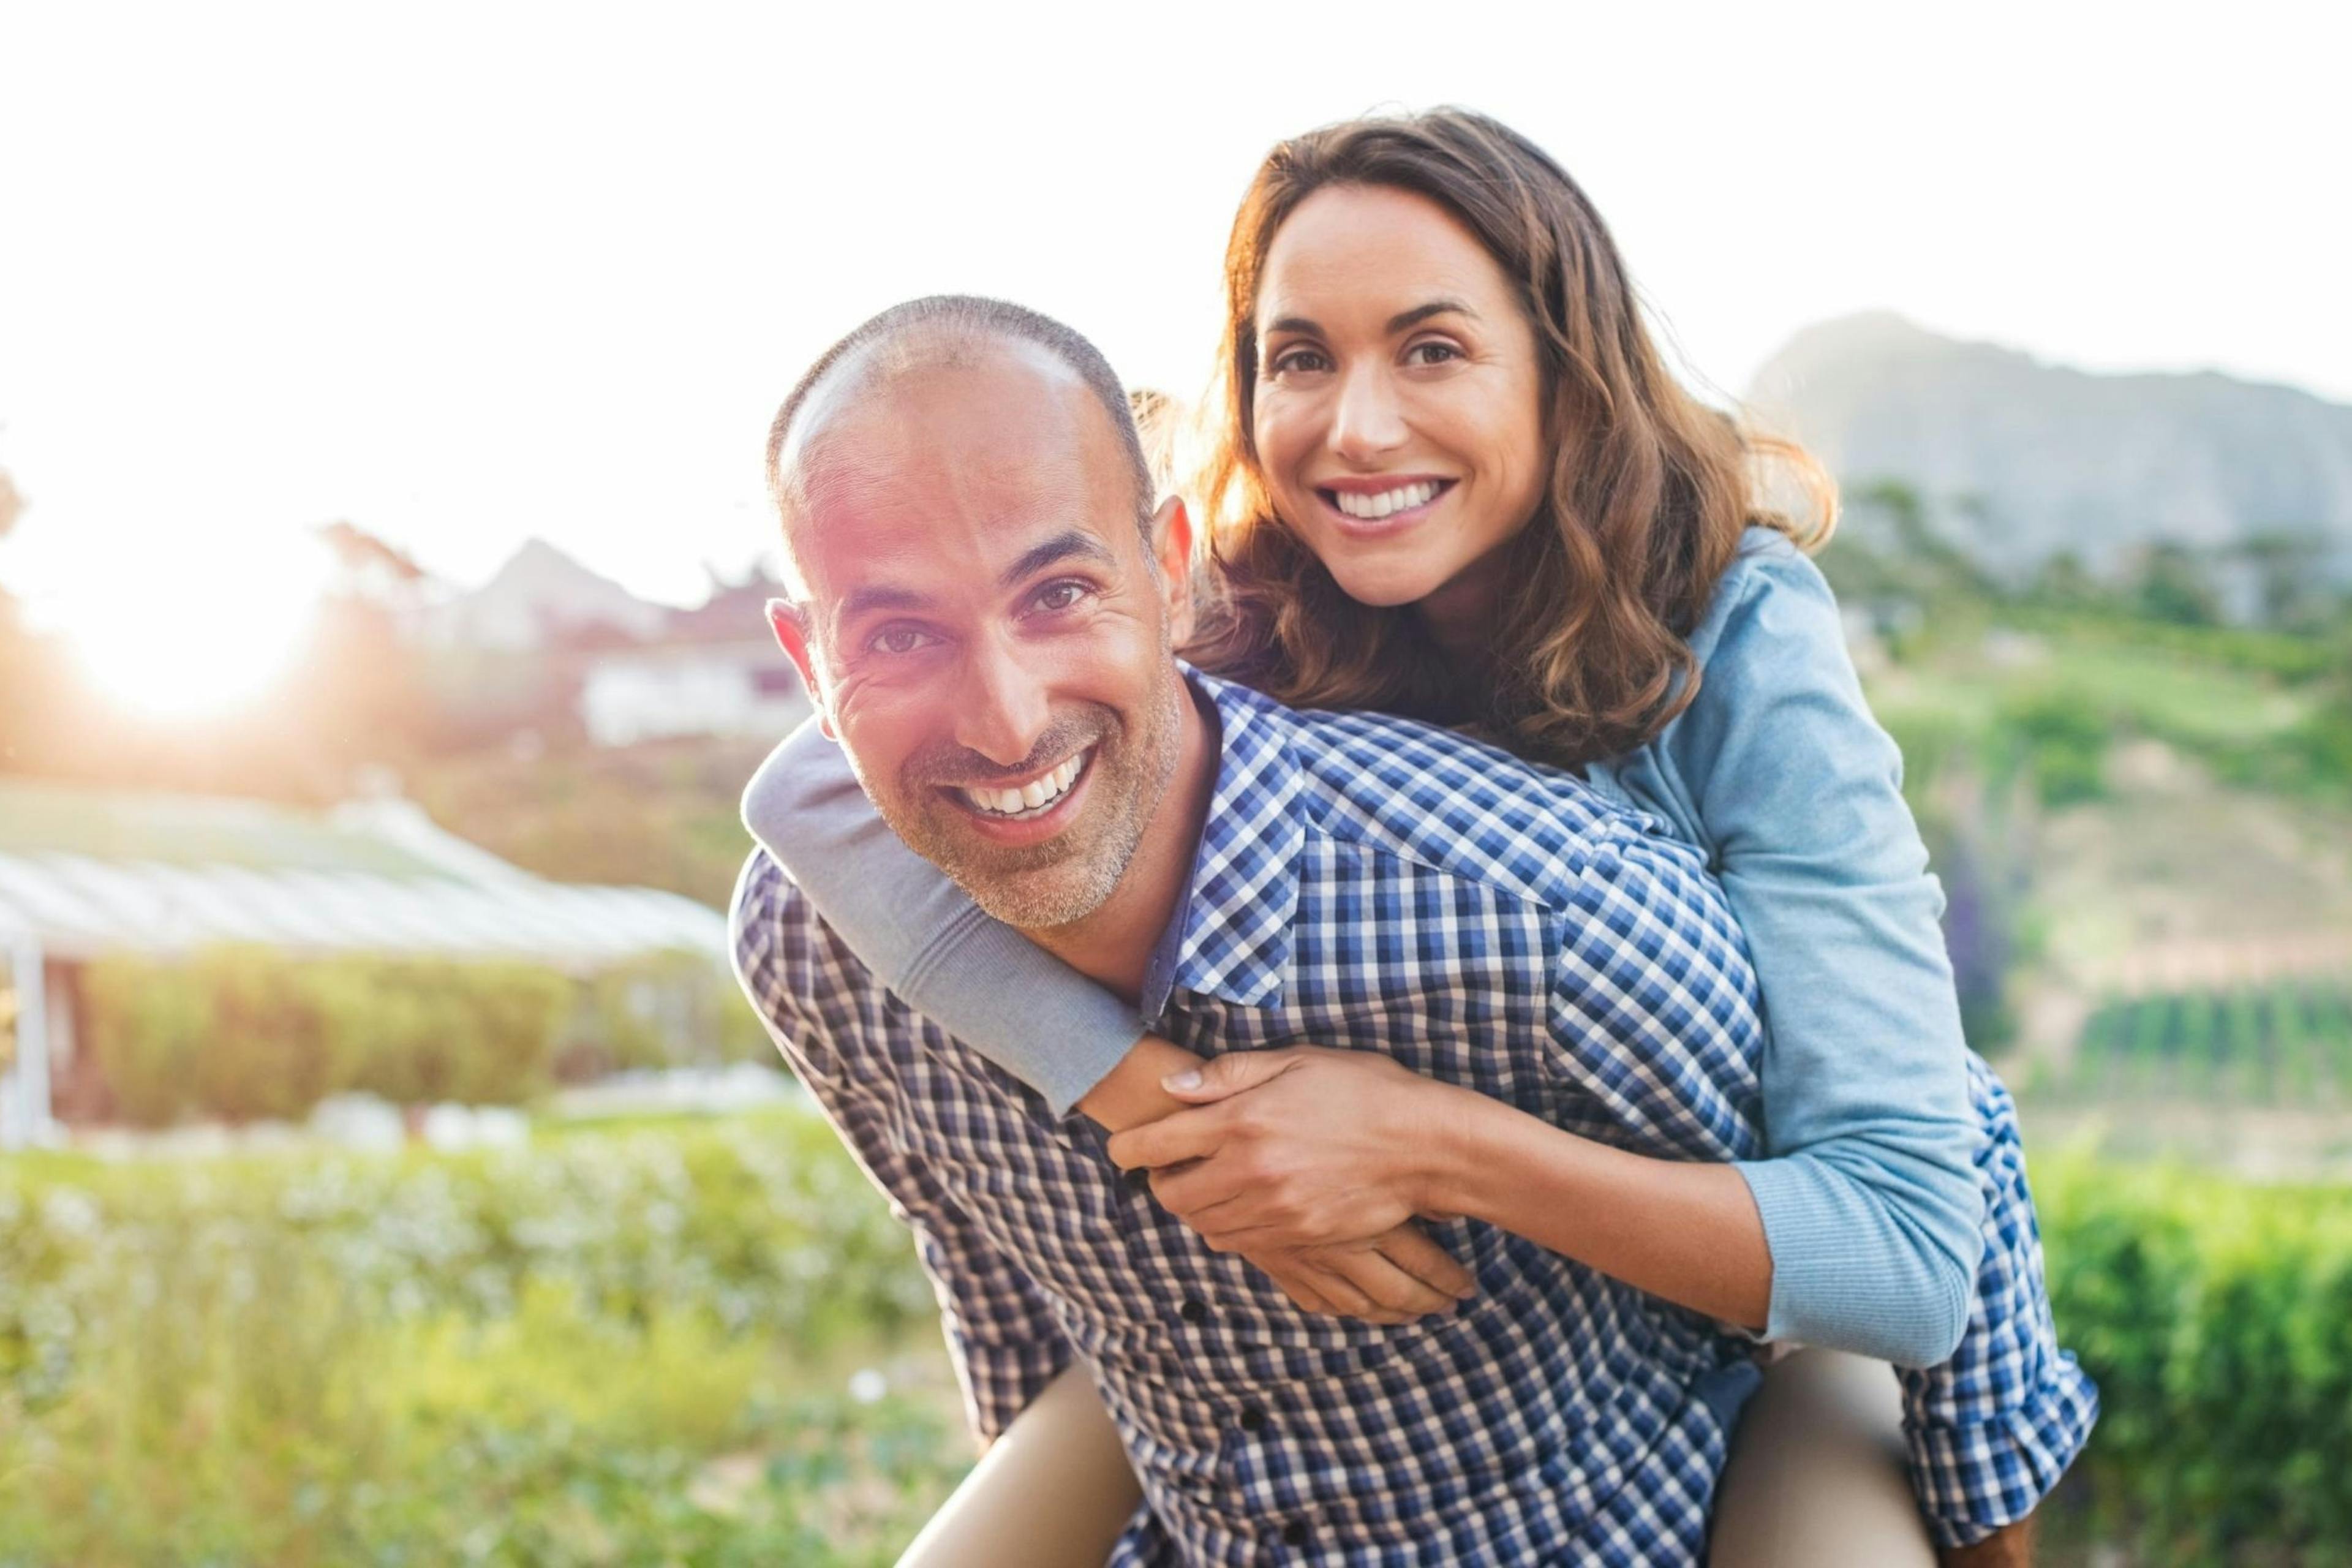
1230	935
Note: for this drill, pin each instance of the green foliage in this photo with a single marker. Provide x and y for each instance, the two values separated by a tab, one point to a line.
2217	1318
2289	1042
661	1009
2064	741
629	1347
247	1032
614	1348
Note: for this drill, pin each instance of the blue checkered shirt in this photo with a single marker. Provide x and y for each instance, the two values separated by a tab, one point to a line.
1404	889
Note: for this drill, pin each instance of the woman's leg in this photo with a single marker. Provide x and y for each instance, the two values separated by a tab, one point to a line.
1816	1476
1053	1491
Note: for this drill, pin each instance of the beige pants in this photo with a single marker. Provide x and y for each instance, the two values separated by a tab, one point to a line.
1815	1480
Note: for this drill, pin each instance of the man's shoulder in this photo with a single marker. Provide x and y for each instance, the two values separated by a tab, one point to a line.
1447	801
779	946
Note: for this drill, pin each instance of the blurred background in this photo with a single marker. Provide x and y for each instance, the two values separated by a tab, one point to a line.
391	1172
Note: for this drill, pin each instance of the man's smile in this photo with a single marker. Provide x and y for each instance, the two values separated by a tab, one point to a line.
1028	811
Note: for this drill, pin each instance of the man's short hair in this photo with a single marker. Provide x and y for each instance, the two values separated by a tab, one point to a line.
974	319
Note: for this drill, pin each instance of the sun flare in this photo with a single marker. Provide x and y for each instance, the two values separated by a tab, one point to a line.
196	639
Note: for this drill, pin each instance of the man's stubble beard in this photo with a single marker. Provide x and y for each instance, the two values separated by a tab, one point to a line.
1062	881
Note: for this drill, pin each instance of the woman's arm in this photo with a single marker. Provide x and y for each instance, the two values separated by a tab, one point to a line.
1308	1144
1868	1192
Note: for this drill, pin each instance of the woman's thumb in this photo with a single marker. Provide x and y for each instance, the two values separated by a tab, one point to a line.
1222	1076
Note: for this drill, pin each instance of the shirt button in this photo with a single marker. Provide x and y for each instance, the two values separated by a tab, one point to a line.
1253	1418
1295	1533
1193	1311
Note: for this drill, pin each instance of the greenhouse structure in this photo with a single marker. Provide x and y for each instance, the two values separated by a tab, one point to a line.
87	874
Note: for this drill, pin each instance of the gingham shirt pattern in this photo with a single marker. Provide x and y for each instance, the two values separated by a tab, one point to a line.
1991	1431
1483	921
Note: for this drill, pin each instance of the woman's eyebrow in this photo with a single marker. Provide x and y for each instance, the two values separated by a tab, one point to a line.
1404	320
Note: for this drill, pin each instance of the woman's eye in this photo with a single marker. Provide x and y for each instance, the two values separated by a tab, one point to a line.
1431	353
899	640
1306	361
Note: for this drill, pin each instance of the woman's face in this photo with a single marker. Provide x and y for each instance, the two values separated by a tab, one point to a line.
1398	418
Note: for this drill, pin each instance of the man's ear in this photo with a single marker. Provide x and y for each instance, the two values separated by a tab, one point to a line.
791	625
1172	534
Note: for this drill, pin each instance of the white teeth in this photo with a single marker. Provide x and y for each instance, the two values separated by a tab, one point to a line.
1381	503
1030	797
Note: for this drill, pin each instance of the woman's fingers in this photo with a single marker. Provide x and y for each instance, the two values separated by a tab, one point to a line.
1393	1295
1411	1250
1342	1292
1286	1270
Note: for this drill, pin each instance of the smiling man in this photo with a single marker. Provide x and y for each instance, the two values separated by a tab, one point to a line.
988	633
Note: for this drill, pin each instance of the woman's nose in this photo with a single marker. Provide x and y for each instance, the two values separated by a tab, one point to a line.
1368	419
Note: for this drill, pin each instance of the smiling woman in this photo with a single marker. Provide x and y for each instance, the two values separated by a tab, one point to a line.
190	635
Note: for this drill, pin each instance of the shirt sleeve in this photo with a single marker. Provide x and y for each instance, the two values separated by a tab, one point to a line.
1001	1333
1869	1200
1018	1006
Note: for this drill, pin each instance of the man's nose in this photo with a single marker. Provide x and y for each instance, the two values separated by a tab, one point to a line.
1001	712
1368	420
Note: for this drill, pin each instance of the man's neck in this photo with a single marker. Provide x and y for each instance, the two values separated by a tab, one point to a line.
1113	946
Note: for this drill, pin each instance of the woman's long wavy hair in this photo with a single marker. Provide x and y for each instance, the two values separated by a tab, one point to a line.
1649	491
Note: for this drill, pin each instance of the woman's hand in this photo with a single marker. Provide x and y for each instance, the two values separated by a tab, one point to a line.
1391	1278
1292	1148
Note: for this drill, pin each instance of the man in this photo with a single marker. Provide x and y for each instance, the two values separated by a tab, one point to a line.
990	638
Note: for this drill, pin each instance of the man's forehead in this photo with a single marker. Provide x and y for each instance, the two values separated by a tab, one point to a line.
950	460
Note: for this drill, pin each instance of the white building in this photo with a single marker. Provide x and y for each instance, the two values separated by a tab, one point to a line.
745	687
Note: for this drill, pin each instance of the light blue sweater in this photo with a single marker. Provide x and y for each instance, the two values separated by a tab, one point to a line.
1870	1203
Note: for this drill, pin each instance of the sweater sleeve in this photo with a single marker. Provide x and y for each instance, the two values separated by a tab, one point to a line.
985	983
1868	1199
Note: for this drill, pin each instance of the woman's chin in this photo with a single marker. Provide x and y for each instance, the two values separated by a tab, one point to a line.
1387	590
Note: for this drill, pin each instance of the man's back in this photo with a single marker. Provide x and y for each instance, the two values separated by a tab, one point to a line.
1401	889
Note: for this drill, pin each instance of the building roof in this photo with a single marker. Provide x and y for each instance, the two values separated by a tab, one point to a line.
84	873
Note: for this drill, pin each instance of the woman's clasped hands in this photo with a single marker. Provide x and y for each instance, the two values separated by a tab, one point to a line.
1312	1163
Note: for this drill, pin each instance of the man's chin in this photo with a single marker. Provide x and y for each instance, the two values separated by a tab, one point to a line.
1034	889
1036	900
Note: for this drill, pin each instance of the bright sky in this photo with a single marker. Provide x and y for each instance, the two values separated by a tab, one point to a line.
466	274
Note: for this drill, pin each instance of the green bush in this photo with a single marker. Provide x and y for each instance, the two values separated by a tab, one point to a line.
611	1348
539	1356
2217	1318
246	1033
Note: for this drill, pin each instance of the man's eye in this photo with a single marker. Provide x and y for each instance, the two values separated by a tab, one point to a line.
1059	596
899	640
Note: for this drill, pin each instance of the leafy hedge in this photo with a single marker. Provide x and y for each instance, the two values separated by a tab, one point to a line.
612	1347
418	1347
2217	1317
245	1033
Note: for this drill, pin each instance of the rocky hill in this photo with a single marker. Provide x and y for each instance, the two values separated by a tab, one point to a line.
2019	459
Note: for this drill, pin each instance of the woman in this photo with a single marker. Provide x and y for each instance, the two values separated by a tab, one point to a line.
1448	475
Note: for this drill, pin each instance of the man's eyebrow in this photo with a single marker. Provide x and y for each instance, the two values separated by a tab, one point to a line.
1072	542
858	601
1404	320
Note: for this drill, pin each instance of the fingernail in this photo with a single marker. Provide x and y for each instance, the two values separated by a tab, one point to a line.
1187	1079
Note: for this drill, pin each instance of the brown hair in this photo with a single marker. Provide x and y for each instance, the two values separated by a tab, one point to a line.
1648	494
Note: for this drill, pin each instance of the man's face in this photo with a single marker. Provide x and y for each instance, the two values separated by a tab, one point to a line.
991	643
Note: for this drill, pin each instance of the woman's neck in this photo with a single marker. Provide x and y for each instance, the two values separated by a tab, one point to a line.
1459	619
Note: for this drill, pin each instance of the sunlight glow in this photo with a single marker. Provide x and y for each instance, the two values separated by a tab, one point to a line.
195	638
